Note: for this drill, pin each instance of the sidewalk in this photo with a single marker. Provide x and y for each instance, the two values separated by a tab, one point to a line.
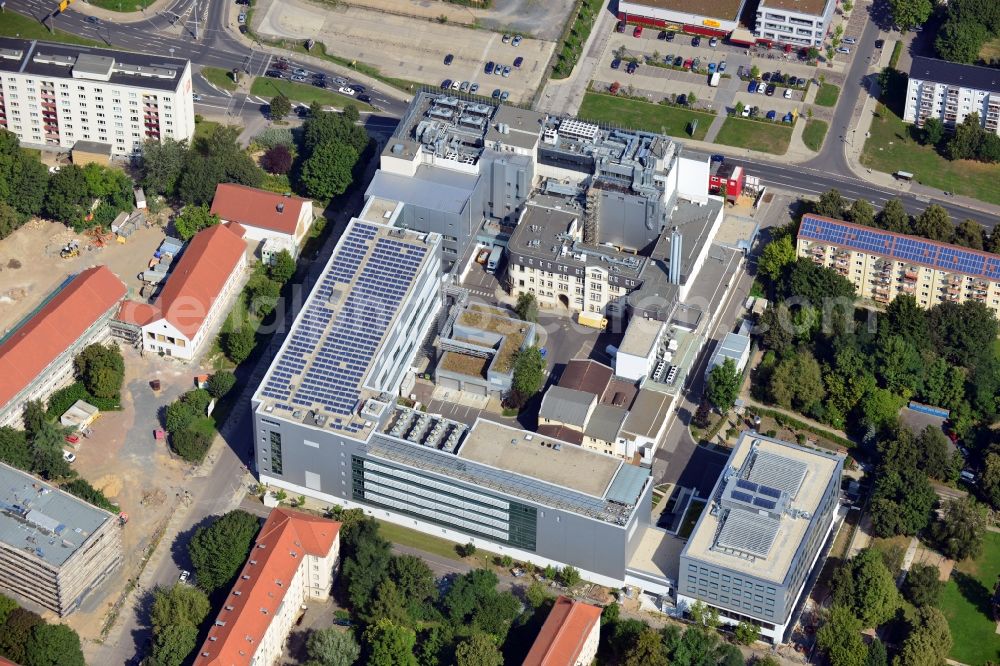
565	96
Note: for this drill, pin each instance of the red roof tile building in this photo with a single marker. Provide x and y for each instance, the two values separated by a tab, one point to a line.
36	358
293	559
264	215
569	636
195	295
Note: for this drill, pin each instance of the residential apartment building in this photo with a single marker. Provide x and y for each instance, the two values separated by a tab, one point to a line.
54	548
569	637
55	95
199	289
293	560
883	264
950	91
752	549
264	215
36	357
800	23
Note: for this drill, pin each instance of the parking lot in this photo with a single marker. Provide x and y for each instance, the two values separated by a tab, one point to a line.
412	49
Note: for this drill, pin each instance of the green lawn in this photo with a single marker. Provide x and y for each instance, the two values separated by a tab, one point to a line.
691	518
122	5
814	133
202	128
218	77
759	135
966	603
16	25
306	94
404	536
890	148
990	50
670	120
827	95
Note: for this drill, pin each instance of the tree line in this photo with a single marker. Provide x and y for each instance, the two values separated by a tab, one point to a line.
27	639
968	25
969	141
181	418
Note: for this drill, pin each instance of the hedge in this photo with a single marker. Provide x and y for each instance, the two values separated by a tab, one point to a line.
784	419
88	493
64	398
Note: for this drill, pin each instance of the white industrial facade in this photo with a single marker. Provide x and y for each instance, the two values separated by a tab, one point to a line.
54	95
950	92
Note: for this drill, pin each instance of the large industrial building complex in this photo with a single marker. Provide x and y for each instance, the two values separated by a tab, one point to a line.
54	548
883	264
36	356
762	532
55	95
569	200
950	92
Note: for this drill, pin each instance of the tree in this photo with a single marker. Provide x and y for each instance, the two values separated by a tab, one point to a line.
10	220
775	257
797	382
190	445
907	319
934	453
101	368
877	655
569	576
929	640
738	109
365	570
989	481
923	585
178	416
960	41
47	451
34	418
277	159
162	165
239	343
199	178
965	141
478	650
899	365
329	170
646	651
527	307
831	204
880	409
959	532
67	195
414	579
53	645
220	383
279	107
840	638
893	217
536	595
865	588
962	333
324	127
173	644
703	615
219	550
747	633
909	14
193	219
389	645
934	223
282	267
332	647
179	604
729	655
933	131
7	606
15	633
970	234
861	212
816	284
723	385
529	373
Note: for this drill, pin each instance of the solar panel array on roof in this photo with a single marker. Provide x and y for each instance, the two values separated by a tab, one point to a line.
333	344
778	472
748	534
901	247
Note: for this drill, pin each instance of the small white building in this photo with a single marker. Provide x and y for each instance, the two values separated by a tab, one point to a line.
293	560
272	247
264	215
800	23
637	354
735	346
194	299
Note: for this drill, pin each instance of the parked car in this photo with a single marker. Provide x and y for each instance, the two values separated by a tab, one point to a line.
242	18
718	158
490	65
446	84
766	77
711	67
770	90
614	88
687	63
506	70
184	577
637	32
496	94
448	59
456	84
632	66
739	71
696	64
504	95
787	118
464	87
722	66
474	88
670	35
843	49
620	27
771	115
788	93
752	87
696	41
800	81
849	40
615	64
678	61
506	39
69	457
345	90
713	42
682	100
518	61
879	43
662	35
516	41
746	112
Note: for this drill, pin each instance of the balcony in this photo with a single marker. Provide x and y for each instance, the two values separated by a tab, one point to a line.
908	288
910	275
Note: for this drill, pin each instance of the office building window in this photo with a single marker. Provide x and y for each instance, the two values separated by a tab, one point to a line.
276	452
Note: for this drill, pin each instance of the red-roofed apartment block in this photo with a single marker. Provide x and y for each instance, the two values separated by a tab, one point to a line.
569	636
195	295
36	358
294	559
281	221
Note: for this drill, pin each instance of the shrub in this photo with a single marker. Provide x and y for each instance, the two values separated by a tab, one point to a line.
88	493
221	383
277	159
191	445
274	136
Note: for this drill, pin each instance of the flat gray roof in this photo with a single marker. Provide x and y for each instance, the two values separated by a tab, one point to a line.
432	188
640	336
43	521
523	127
540	457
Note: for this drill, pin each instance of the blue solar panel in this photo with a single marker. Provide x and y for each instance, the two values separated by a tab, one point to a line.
770	492
764	503
903	248
746	485
743	497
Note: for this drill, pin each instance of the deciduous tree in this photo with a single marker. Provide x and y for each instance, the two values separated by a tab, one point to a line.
193	219
527	307
162	166
328	170
923	584
389	645
221	382
959	532
723	386
478	650
282	267
218	550
239	343
933	131
840	638
934	223
893	217
861	212
747	633
775	257
15	632
865	589
277	159
909	14
797	382
646	651
53	645
279	107
831	204
332	647
929	640
970	234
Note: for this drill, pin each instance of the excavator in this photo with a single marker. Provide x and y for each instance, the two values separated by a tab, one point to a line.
70	250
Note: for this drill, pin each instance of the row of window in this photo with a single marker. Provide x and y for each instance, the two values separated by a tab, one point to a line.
724	599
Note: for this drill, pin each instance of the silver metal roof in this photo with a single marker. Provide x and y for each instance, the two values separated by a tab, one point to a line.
627	485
